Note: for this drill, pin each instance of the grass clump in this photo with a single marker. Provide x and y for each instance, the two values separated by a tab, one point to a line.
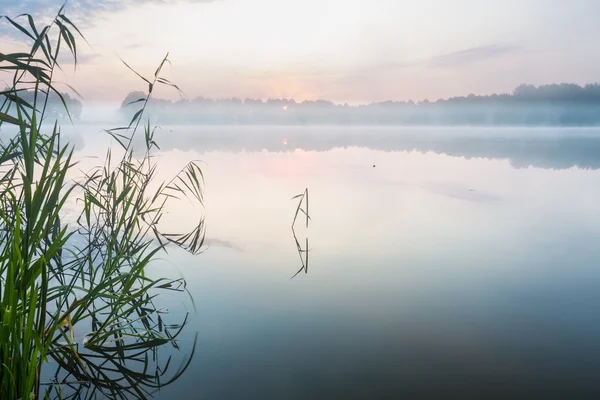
58	281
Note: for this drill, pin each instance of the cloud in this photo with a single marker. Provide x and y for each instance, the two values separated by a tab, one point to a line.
134	46
461	193
448	60
223	243
454	59
83	10
87	8
470	55
81	58
35	6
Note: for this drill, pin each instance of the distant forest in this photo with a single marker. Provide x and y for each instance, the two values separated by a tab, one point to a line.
55	109
528	105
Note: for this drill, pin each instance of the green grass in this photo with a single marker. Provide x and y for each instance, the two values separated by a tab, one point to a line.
57	279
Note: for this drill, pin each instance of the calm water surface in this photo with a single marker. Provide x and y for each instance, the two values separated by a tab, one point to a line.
447	263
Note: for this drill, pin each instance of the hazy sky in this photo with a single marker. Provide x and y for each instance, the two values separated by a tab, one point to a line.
342	50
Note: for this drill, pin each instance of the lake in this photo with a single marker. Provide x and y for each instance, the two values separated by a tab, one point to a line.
442	263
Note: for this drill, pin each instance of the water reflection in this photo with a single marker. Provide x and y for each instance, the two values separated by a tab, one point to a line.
303	253
439	275
127	367
557	148
545	148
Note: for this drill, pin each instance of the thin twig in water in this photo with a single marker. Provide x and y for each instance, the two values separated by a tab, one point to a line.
303	259
303	198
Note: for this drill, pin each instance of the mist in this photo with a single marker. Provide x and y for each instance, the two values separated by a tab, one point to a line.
527	105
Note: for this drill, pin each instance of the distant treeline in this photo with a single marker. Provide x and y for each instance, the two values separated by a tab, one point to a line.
55	109
551	105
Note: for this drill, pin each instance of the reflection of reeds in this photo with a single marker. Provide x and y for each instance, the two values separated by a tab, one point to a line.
118	369
303	253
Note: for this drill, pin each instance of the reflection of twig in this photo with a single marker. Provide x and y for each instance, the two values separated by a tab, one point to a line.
303	260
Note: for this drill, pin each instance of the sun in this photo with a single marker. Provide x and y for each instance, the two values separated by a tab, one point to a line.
283	85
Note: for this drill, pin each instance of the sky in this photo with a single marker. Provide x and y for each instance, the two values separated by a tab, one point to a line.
355	51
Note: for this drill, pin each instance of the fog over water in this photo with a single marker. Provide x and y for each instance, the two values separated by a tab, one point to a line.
444	262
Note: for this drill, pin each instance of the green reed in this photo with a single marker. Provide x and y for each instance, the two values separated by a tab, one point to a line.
57	279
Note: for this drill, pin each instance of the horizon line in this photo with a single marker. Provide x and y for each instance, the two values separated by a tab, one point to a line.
357	104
